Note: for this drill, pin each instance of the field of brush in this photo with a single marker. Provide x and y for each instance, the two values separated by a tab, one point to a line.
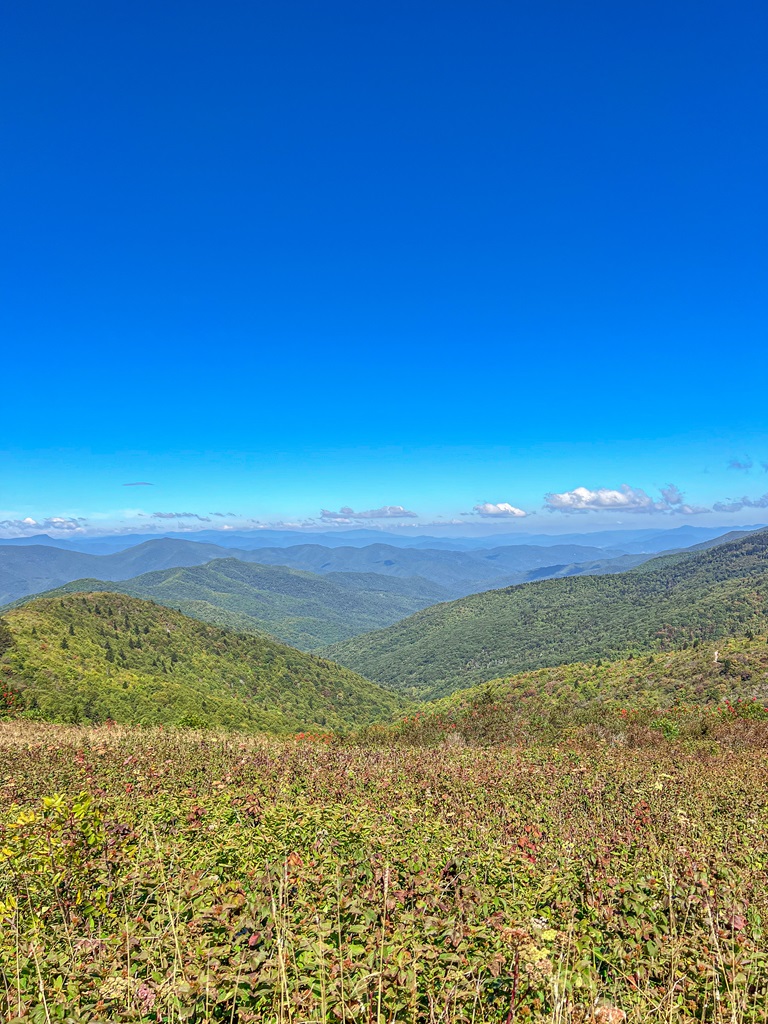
169	876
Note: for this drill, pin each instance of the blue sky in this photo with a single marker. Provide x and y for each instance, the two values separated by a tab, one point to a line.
282	257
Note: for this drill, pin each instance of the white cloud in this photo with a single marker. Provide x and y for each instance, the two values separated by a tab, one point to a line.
625	499
347	515
63	523
500	510
582	499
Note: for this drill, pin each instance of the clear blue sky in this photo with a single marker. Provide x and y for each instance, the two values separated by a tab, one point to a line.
275	257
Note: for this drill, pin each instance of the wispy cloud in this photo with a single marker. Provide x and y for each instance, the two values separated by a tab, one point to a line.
180	515
691	510
676	504
499	510
60	524
139	483
224	515
292	524
386	512
741	464
348	515
739	503
672	494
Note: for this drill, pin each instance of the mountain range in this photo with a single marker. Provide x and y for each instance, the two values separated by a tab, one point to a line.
645	541
306	595
33	569
664	603
300	608
458	572
83	654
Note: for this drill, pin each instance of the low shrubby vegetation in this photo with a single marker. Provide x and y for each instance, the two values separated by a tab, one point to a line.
165	875
695	694
582	843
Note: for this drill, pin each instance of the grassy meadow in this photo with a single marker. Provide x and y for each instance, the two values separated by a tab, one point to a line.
172	875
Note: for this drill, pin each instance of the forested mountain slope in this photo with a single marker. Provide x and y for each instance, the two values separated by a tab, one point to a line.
90	657
303	609
665	603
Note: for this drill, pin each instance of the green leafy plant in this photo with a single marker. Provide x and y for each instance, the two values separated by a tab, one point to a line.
181	875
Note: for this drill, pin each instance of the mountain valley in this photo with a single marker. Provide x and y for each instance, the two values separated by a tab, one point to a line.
664	603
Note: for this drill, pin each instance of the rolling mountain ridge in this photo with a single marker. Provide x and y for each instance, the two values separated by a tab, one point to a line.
458	572
302	609
644	541
93	657
664	603
34	569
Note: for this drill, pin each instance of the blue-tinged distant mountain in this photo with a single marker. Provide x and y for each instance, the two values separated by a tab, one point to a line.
244	540
685	537
621	541
618	541
32	569
459	572
26	570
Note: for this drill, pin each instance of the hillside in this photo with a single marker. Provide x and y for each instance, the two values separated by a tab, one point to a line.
303	609
663	604
91	657
698	690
